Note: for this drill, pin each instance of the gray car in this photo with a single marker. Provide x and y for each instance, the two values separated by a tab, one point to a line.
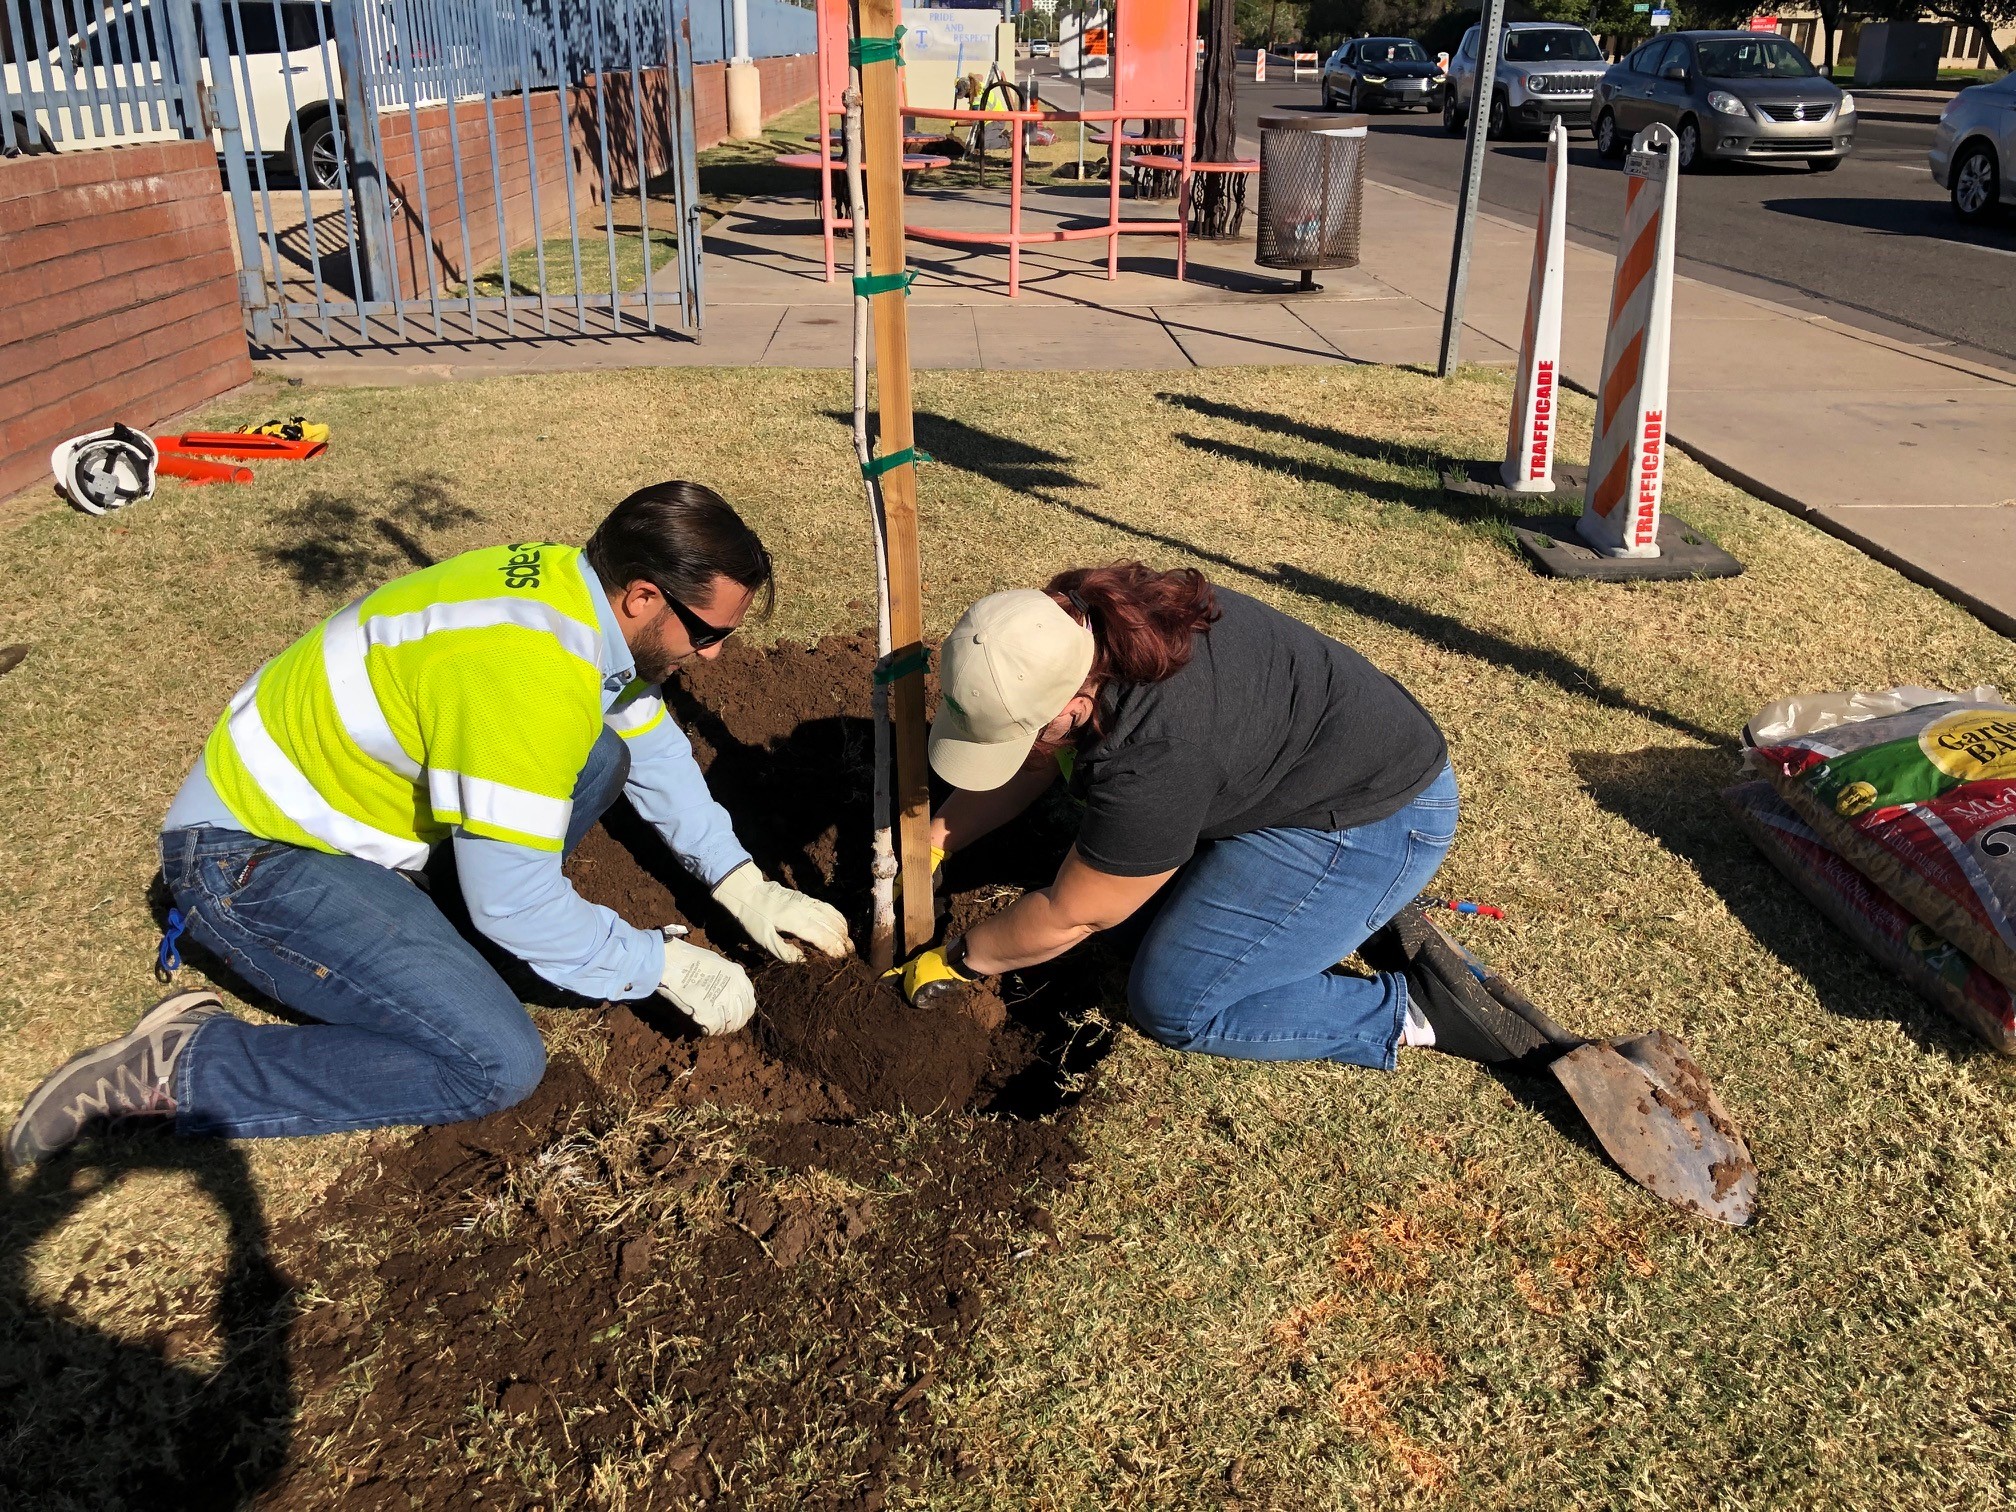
1974	149
1728	96
1545	69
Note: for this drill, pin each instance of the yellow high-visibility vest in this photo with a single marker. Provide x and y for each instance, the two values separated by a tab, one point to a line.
466	694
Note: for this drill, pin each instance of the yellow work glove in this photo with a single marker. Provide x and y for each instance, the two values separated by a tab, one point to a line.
927	975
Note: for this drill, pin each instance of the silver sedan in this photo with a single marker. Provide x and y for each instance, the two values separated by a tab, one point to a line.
1974	149
1728	96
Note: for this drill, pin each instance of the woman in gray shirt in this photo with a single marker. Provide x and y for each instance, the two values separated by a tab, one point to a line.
1283	796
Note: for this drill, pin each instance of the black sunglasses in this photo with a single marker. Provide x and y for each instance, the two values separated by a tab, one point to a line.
698	631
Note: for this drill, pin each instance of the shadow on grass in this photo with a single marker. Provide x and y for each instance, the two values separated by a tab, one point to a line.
99	1421
1428	496
334	544
1673	796
1039	473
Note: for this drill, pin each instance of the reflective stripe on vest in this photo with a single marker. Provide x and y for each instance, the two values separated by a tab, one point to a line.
332	770
295	796
636	711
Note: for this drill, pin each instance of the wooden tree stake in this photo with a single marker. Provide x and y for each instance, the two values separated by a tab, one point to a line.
882	130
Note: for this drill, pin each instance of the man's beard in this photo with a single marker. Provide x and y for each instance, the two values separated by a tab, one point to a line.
655	662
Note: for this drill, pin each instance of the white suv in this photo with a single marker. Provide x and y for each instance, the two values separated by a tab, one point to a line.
1545	69
285	113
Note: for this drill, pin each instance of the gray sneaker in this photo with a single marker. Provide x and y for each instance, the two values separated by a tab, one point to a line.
131	1078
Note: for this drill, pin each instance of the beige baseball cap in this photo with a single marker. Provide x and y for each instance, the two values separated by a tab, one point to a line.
1007	669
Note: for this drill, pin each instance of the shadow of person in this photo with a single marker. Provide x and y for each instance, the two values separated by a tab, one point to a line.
1673	796
93	1420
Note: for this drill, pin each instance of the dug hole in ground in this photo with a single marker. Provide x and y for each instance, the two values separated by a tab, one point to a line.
700	1293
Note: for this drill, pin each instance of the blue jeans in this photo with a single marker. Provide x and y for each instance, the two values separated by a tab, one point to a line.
1238	962
410	1024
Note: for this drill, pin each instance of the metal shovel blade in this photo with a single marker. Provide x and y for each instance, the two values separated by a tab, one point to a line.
1650	1104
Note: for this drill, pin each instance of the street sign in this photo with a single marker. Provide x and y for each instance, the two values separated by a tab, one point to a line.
1662	17
1643	8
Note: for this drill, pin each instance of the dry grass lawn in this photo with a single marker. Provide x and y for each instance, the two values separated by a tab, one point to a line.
1278	1286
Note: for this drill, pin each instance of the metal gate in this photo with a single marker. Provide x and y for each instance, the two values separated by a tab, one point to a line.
403	170
460	171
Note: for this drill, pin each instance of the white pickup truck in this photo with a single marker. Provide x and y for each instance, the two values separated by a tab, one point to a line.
286	81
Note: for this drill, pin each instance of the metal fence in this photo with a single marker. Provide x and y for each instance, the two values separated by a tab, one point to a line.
78	71
404	170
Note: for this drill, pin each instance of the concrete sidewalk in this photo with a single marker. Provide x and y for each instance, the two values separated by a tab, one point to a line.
1908	453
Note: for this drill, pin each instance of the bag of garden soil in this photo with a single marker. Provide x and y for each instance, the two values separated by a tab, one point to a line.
1932	966
1922	802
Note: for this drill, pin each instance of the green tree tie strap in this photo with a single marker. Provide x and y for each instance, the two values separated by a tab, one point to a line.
884	283
880	465
862	50
918	659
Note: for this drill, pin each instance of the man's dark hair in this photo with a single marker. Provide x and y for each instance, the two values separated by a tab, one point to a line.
679	537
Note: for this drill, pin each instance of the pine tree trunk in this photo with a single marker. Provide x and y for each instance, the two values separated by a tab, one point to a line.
1213	207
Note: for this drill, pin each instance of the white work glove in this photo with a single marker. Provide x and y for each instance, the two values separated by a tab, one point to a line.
769	911
709	989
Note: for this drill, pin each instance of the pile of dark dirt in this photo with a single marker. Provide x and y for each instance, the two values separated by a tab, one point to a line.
715	1271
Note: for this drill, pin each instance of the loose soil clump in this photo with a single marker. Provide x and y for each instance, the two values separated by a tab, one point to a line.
723	1271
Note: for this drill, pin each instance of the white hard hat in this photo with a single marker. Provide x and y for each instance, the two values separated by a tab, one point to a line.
104	470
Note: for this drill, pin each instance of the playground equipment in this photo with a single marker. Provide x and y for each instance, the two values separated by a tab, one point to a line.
1154	79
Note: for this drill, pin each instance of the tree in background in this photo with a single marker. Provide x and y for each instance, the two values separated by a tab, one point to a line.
1211	203
1983	15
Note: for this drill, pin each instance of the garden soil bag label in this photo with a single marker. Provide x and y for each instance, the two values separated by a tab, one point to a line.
1930	964
1923	804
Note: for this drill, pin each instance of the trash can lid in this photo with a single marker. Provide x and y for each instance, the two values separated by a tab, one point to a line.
1313	120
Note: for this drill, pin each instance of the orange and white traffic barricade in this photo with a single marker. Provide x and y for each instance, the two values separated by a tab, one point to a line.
1529	444
1260	66
1305	64
1627	458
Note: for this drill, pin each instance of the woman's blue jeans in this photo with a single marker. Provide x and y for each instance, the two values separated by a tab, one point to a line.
410	1024
1239	960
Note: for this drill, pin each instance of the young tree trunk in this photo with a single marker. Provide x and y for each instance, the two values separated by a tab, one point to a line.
1211	202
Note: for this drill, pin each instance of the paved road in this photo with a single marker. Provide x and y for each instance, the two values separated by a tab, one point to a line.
1873	244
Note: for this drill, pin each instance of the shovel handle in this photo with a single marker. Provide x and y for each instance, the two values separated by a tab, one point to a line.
1514	1000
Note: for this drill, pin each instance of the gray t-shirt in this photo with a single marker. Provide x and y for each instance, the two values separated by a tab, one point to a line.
1271	725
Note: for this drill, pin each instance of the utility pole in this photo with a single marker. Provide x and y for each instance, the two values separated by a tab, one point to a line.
1492	24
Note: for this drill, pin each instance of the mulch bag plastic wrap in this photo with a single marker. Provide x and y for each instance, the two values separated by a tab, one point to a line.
1921	801
1929	964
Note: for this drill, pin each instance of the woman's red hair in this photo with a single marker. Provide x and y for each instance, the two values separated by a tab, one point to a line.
1143	622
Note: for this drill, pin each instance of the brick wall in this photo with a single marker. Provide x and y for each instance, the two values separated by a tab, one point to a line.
118	295
786	82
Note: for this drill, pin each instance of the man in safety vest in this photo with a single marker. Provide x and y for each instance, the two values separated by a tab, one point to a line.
498	701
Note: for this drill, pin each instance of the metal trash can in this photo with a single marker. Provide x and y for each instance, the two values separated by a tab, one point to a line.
1312	192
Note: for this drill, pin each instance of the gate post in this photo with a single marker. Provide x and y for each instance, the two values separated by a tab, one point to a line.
367	152
217	110
685	167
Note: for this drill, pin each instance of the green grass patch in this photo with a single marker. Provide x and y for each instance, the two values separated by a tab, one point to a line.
596	247
1277	1286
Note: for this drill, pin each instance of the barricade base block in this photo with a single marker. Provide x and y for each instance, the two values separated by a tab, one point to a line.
1484	478
1554	546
